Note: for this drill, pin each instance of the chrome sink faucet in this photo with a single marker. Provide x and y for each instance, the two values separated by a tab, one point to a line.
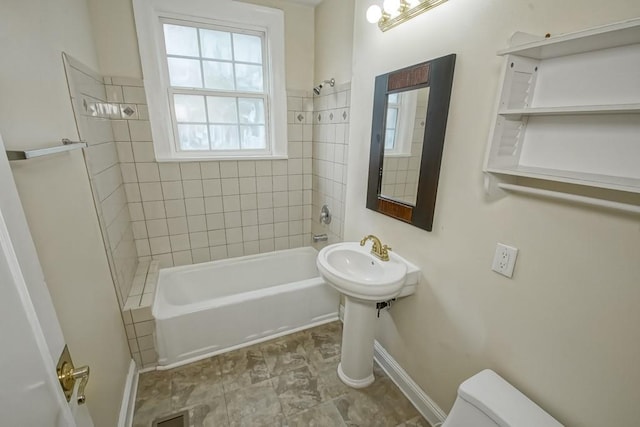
377	249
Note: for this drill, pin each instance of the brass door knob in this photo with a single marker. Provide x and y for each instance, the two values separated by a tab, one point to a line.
68	375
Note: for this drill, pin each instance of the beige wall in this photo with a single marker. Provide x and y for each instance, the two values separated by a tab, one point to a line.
115	38
334	40
35	111
117	43
565	329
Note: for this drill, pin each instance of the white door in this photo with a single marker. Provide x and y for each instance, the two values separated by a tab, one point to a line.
30	394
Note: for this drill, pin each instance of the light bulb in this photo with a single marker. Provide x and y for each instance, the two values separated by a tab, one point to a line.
374	13
391	6
413	3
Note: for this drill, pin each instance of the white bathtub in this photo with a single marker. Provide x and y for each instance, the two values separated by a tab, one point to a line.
205	309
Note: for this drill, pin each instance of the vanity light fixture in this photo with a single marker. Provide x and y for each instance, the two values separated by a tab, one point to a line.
395	12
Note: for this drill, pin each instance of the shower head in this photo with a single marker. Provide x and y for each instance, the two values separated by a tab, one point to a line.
317	89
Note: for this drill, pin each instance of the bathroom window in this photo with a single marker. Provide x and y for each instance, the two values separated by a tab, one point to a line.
393	108
215	86
401	128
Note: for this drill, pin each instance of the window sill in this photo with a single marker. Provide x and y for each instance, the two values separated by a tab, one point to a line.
219	159
397	155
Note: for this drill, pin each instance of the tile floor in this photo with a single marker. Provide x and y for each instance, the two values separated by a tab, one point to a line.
290	381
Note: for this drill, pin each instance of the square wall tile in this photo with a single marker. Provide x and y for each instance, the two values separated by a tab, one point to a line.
134	95
157	227
229	169
212	187
215	222
148	172
159	245
182	257
195	206
154	210
172	190
169	172
218	252
210	170
246	168
199	240
190	171
180	243
175	208
248	201
192	188
177	226
143	151
150	191
140	130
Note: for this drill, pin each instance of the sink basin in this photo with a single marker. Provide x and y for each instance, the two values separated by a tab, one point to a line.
354	271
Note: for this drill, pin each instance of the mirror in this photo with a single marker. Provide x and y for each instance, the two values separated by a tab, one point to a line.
410	110
403	141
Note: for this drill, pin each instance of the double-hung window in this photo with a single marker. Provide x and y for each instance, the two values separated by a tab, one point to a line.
216	84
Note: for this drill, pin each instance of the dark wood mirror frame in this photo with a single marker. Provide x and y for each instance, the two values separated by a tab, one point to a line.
437	74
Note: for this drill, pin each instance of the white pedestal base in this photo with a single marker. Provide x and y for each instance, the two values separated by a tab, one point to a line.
365	382
358	334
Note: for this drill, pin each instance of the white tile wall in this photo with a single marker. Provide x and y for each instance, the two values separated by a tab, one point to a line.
330	118
193	212
88	91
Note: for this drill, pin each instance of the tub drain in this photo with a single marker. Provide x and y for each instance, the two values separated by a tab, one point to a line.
180	419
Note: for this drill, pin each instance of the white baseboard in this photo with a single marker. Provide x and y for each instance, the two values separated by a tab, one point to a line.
423	403
129	397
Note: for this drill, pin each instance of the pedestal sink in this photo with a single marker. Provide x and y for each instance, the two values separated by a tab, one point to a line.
363	279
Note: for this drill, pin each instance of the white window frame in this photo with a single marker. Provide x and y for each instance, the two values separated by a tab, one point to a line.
236	16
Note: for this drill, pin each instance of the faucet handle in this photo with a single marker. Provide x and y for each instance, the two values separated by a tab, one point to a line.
384	253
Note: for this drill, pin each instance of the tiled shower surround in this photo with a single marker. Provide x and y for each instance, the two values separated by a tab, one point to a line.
178	213
191	212
87	91
330	145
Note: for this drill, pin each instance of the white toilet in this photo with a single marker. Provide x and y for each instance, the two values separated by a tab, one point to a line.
487	400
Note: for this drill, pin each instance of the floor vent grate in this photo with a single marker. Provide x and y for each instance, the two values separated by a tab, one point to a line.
181	419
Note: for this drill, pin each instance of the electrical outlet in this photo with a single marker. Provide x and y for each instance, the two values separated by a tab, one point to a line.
504	260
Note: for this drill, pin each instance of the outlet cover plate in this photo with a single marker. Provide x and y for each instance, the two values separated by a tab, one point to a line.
504	260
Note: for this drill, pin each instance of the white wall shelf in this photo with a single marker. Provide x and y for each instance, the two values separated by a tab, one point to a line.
604	37
569	112
516	113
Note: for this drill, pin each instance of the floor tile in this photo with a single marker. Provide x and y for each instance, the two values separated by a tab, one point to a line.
213	413
249	405
415	422
197	382
285	354
380	404
324	345
324	415
153	398
244	367
298	390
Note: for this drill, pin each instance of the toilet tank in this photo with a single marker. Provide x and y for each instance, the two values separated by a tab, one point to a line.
487	400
